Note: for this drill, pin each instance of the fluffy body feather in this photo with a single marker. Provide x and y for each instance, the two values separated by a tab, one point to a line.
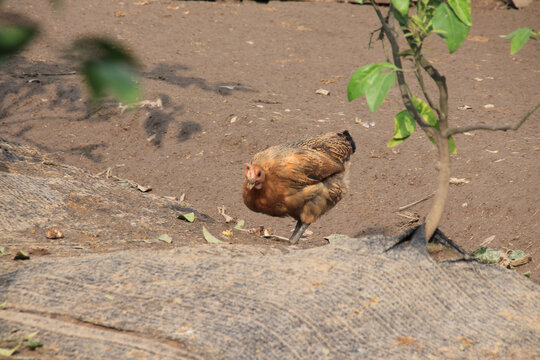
303	179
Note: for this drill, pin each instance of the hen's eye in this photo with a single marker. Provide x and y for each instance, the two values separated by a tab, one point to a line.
259	173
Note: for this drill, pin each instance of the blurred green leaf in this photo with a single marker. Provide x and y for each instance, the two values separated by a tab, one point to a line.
402	6
33	345
449	27
519	38
108	70
462	9
9	352
111	78
527	274
13	38
209	237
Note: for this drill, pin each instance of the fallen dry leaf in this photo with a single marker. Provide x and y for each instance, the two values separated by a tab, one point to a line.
405	340
458	181
221	211
119	14
373	300
477	38
322	92
53	233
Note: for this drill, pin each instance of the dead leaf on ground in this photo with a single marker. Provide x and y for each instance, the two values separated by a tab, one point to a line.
328	81
322	92
21	255
209	237
487	240
165	238
372	301
477	38
119	14
190	217
53	233
227	233
221	211
405	340
458	181
464	107
239	225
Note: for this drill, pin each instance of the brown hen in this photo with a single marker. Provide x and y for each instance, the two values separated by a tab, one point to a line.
303	179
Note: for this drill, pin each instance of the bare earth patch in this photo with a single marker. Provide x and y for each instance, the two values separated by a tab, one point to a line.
234	79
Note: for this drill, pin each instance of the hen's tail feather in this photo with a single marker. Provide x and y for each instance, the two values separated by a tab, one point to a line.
349	138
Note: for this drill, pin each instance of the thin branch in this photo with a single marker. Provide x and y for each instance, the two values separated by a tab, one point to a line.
420	78
440	80
460	130
399	74
415	202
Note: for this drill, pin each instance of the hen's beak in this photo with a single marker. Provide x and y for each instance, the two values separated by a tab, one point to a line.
251	184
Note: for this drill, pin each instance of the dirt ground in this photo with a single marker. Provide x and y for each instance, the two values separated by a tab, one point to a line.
235	78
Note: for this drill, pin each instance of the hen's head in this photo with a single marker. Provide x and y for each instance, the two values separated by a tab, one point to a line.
254	176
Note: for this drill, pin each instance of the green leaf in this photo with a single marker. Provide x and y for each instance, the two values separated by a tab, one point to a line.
519	38
527	274
377	91
239	225
363	78
2	250
166	238
14	38
453	30
402	6
452	145
108	69
209	237
429	117
487	256
404	126
427	112
3	305
21	255
9	352
33	345
359	80
30	336
462	8
188	217
112	78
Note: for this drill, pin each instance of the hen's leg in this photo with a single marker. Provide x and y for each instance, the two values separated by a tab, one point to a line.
298	231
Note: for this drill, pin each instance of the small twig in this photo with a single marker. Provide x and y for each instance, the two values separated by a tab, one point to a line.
45	74
416	202
460	130
415	218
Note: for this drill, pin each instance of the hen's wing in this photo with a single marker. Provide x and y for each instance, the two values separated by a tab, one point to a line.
308	161
302	166
339	146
